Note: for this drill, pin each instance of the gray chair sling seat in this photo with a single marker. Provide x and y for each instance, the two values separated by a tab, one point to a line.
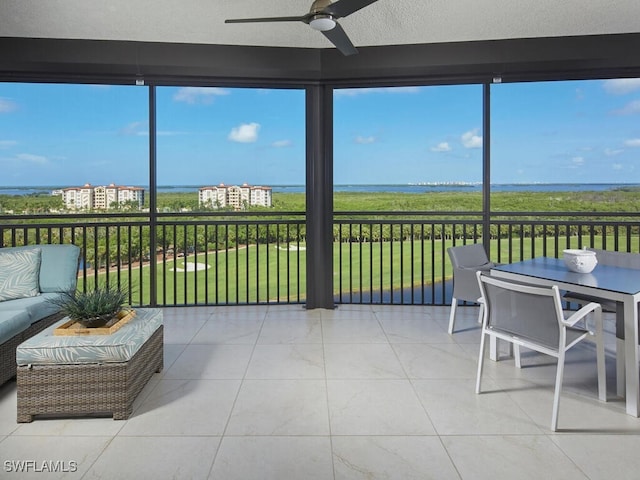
466	260
532	317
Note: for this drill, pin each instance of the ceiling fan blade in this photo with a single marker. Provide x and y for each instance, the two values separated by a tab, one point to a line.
339	38
342	8
302	18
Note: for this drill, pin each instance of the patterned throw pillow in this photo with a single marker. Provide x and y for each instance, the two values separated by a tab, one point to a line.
19	271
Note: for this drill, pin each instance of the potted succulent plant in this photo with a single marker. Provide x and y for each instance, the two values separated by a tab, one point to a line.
93	308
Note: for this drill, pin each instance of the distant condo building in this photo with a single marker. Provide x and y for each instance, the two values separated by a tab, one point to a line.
89	197
234	196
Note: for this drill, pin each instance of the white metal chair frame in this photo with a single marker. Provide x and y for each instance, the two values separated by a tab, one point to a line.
522	339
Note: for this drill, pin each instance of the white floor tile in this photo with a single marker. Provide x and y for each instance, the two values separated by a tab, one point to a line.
361	391
376	360
352	329
49	456
184	407
8	408
62	427
280	407
413	329
436	361
525	457
294	361
455	409
273	458
181	330
376	407
602	457
293	327
231	329
398	457
211	362
156	458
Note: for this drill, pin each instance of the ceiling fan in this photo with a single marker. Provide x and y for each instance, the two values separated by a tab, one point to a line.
322	16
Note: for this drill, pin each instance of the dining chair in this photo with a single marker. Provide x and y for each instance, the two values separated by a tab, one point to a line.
466	261
532	317
614	259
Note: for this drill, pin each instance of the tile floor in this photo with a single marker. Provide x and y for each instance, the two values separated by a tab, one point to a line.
360	392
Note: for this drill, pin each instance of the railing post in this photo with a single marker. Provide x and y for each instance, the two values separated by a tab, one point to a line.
319	196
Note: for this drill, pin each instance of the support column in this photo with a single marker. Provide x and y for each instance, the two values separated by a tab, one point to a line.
153	200
486	167
319	196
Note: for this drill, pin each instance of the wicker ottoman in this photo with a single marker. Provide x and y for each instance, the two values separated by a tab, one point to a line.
94	374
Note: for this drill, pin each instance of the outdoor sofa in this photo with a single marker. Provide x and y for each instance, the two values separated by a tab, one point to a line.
30	277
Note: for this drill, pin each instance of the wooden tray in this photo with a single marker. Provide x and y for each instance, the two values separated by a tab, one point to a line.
73	328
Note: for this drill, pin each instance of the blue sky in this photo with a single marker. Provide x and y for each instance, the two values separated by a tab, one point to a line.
548	132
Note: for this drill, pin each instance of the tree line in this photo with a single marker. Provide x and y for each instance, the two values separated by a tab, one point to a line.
110	240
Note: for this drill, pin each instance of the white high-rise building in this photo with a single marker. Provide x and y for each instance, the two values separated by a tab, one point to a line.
237	197
101	197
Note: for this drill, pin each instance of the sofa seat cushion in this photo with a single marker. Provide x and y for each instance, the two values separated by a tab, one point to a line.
19	273
36	308
59	266
48	349
12	322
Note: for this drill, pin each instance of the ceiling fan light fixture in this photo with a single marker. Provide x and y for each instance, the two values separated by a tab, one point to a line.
322	23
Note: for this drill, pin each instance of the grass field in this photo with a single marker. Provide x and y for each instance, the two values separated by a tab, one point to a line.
266	273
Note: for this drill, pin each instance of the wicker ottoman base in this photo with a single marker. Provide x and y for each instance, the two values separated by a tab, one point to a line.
88	388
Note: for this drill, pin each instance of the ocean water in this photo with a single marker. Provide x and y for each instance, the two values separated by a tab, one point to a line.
404	188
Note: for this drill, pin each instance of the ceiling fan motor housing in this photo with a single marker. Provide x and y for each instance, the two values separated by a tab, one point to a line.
319	5
322	22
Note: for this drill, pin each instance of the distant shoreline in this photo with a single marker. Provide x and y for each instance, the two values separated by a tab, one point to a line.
419	187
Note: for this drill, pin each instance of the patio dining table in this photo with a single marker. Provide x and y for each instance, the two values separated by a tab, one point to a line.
614	283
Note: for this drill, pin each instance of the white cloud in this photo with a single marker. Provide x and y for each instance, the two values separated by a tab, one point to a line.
621	86
611	152
245	133
365	140
199	95
134	128
4	144
7	105
282	143
30	158
471	139
634	142
617	166
577	161
629	109
352	92
441	147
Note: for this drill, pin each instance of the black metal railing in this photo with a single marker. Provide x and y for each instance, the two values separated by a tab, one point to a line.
219	259
401	257
232	259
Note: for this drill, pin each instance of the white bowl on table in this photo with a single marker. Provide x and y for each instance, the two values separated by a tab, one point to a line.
580	261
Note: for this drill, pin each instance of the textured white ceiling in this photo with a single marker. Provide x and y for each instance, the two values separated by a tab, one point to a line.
387	22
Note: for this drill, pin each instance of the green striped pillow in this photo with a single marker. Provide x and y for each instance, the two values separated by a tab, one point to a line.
19	271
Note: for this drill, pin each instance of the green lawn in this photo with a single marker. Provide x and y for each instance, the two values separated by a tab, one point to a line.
267	273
